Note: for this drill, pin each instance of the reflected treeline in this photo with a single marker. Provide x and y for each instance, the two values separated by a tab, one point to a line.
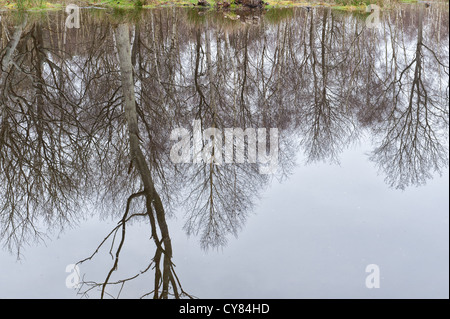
86	114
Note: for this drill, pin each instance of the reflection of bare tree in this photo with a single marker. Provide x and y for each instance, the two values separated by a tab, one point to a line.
165	275
219	196
327	125
415	127
41	159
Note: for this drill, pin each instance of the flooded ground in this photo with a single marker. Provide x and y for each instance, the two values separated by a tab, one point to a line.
176	152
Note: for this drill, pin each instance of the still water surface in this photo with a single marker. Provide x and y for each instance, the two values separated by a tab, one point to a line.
361	175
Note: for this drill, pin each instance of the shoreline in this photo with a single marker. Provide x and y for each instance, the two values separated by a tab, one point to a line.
51	5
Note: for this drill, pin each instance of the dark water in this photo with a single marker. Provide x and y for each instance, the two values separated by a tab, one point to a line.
372	102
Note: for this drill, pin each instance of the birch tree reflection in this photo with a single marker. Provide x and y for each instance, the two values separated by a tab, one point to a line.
86	117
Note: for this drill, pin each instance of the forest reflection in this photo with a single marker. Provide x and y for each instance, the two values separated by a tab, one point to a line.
86	114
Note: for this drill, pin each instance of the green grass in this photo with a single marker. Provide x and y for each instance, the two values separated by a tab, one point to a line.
275	16
354	3
31	4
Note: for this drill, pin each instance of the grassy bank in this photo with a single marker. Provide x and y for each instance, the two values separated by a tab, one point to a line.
131	4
